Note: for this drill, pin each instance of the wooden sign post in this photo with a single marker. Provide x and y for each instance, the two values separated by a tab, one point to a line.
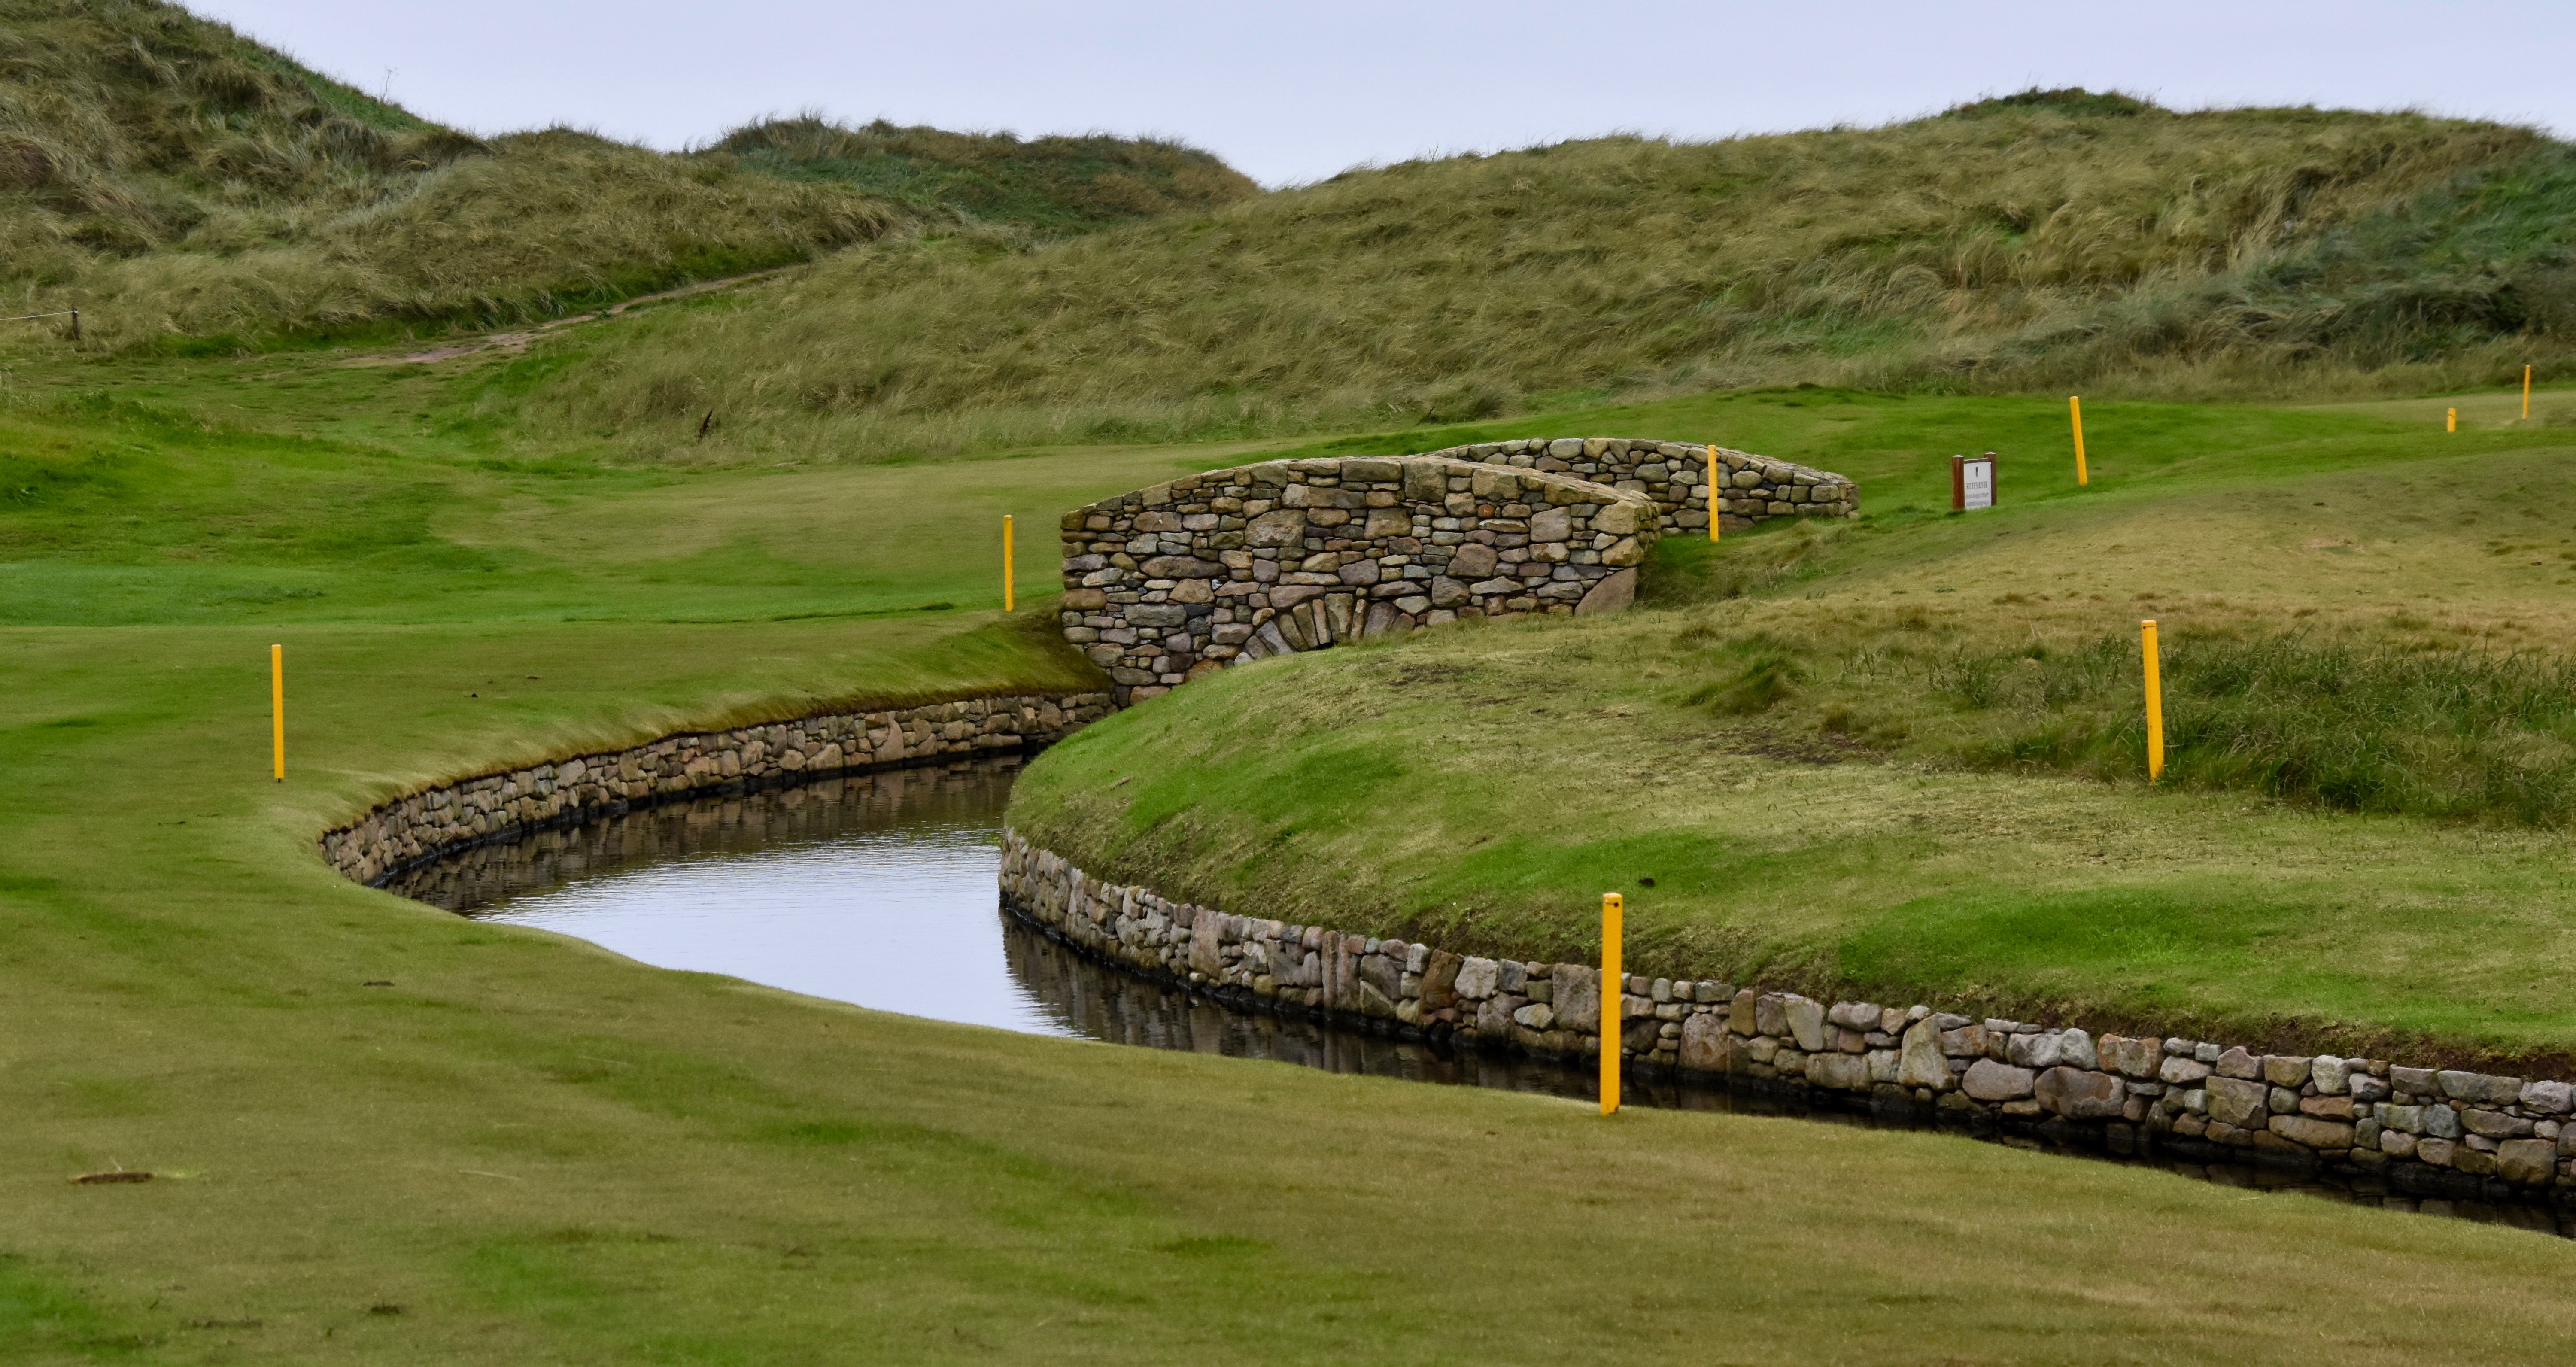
1972	482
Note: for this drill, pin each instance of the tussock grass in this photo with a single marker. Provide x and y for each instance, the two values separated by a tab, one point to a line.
2039	245
173	179
547	223
2357	725
1050	185
2350	726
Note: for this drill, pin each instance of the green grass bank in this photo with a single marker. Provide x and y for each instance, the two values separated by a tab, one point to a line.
527	1150
1903	757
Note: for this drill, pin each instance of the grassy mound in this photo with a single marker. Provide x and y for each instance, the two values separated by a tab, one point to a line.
1053	185
2005	246
173	179
1904	756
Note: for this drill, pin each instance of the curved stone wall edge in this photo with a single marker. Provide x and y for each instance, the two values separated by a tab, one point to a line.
410	830
1672	473
2441	1132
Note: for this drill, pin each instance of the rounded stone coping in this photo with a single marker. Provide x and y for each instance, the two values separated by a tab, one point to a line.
1365	470
1755	488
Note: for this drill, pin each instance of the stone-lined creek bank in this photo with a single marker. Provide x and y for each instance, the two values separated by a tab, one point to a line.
880	888
2370	1127
2361	1124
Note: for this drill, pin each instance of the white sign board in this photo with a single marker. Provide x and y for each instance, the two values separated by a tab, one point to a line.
1972	482
1978	481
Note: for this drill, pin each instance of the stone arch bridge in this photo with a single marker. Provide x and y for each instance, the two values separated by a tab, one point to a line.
1166	584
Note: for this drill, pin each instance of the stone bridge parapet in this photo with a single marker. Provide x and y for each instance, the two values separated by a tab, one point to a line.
1170	582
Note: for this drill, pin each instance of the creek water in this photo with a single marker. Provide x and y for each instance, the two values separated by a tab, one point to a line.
882	890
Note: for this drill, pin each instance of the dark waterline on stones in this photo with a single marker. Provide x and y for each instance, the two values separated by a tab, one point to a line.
881	890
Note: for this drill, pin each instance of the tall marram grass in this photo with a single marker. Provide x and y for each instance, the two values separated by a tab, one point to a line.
2453	734
2009	245
168	176
173	179
1051	185
547	221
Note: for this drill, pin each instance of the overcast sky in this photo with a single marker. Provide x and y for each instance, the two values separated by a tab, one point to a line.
1293	92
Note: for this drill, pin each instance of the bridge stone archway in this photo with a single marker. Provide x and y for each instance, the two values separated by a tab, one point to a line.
1168	583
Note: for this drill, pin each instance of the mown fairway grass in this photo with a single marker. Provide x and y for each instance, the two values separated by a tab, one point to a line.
1850	775
526	1150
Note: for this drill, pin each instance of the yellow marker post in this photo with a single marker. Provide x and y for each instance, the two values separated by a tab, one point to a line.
1614	990
1711	472
277	708
2526	393
1007	603
2155	702
2451	422
2075	413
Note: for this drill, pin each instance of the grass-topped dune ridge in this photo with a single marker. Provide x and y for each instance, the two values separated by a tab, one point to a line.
2045	242
175	180
1046	185
188	188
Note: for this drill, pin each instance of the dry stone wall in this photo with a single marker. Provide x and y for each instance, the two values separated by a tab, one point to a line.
1169	583
421	826
2446	1133
1674	474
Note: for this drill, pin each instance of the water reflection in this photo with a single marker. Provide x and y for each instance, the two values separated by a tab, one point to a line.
1100	1003
878	889
882	890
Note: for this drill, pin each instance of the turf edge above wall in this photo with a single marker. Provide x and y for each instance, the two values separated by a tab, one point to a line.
2432	1132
